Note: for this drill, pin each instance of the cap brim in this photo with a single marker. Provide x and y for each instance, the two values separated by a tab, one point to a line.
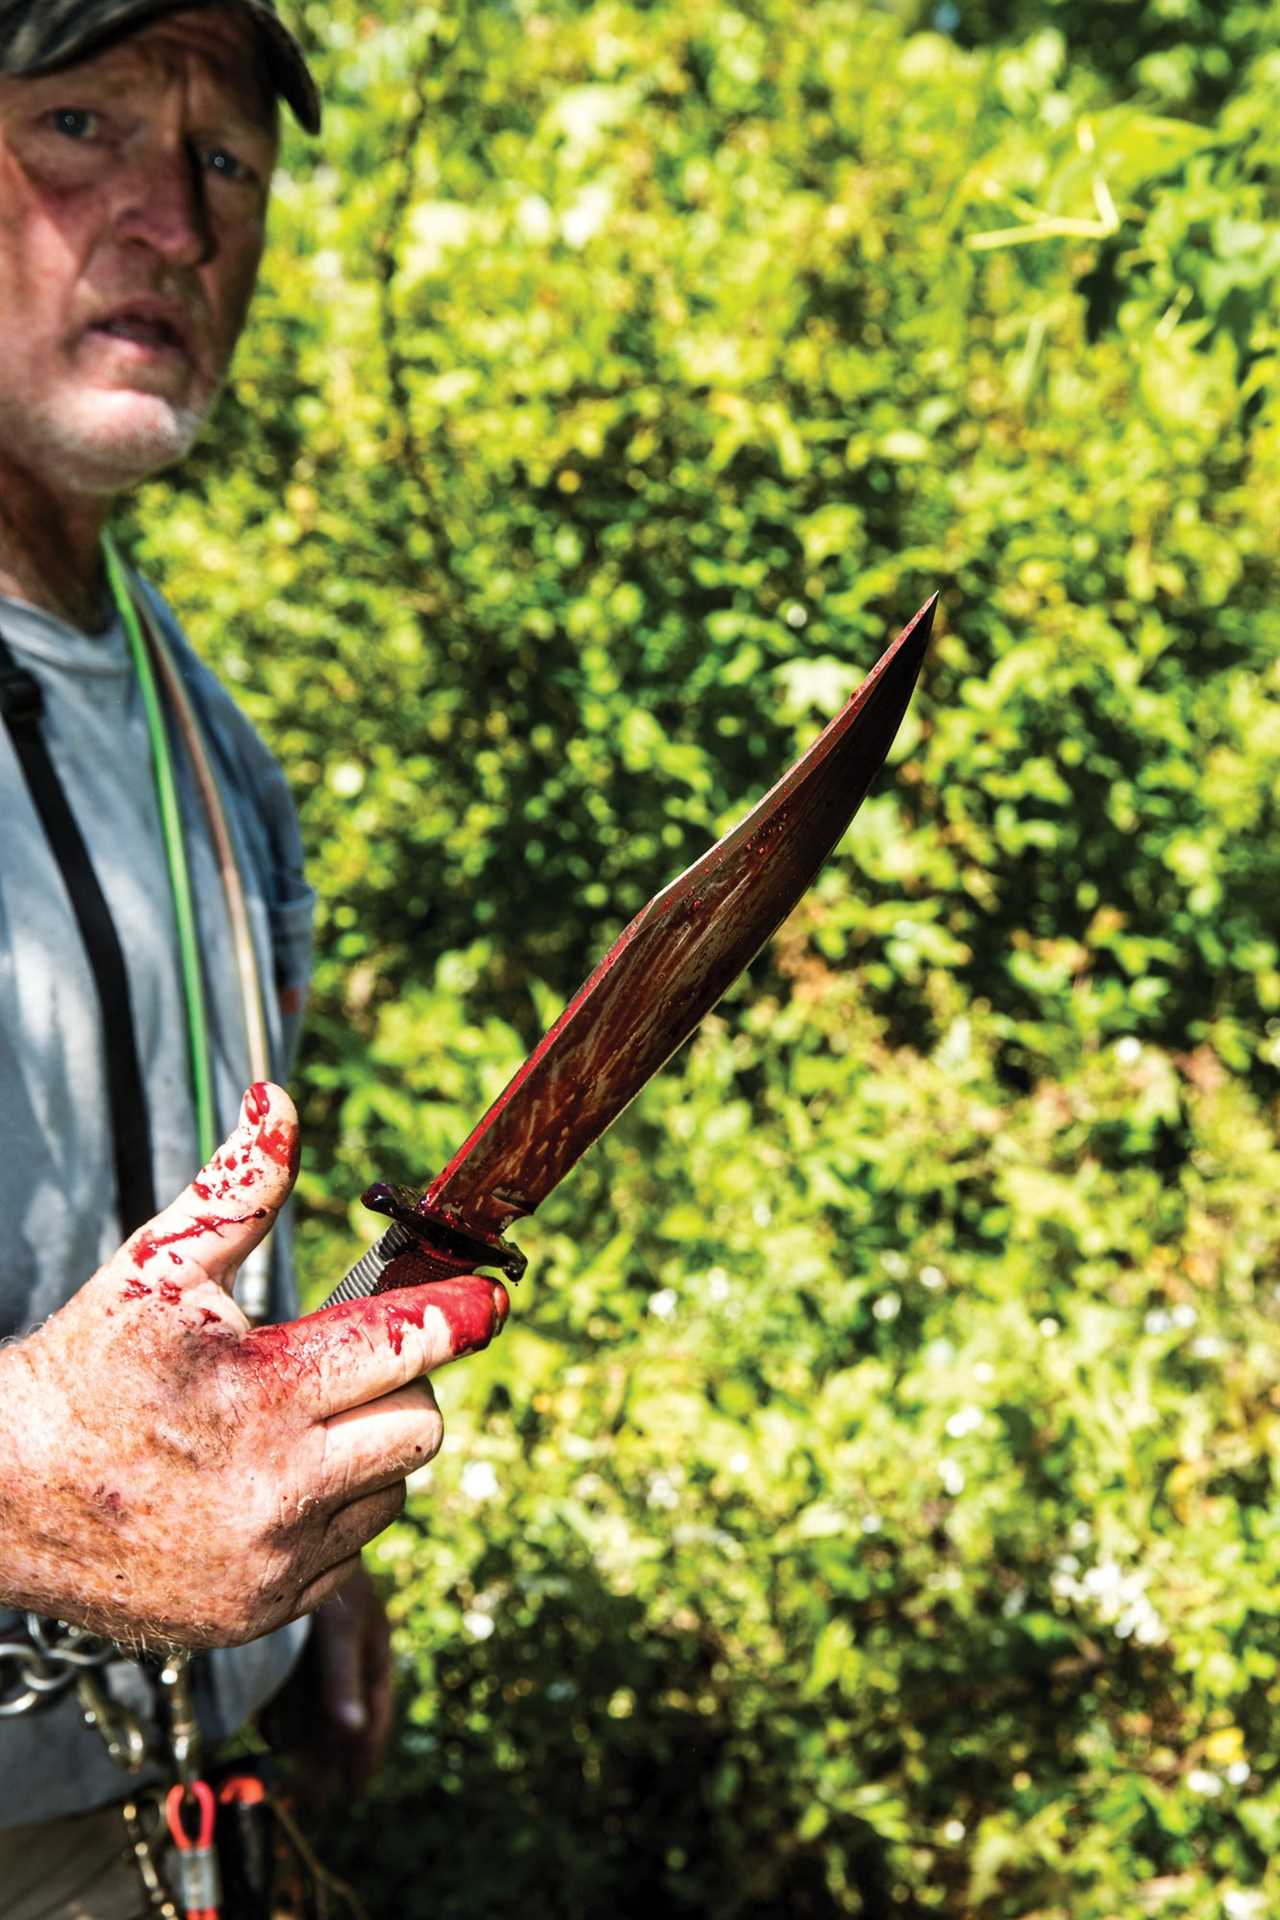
289	67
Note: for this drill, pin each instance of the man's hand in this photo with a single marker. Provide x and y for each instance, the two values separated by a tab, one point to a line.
173	1476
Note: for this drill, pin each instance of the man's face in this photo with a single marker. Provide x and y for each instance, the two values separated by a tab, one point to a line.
133	199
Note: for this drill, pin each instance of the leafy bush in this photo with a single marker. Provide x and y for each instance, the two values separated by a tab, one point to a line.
869	1507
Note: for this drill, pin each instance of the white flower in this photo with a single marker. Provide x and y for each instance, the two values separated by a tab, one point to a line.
871	1523
1118	1598
478	1625
662	1493
1145	1623
932	1278
1128	1051
951	1476
1104	1582
953	1832
739	1462
346	779
535	218
888	1306
1238	1772
664	1303
1184	1315
967	1420
1049	1327
1207	1784
584	219
479	1481
1157	1321
718	1285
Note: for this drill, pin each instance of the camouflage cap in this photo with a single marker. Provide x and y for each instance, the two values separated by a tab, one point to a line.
37	36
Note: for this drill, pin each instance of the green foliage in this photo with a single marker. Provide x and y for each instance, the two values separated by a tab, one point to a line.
869	1507
1189	53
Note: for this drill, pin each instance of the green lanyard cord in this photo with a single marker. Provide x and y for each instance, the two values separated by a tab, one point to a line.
175	849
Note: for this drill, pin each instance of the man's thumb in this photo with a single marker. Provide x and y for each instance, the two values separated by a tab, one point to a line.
228	1208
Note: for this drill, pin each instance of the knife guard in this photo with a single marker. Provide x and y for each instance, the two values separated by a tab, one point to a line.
423	1244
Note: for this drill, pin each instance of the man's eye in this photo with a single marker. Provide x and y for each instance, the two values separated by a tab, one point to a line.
74	123
219	161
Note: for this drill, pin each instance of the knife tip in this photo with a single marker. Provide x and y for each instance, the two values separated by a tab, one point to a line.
907	651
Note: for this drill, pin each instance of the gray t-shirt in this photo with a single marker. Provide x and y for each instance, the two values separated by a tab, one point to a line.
56	1164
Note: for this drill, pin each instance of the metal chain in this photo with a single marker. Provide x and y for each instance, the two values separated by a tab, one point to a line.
148	1839
45	1662
49	1659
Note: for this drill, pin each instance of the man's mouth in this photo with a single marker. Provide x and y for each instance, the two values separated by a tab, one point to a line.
149	333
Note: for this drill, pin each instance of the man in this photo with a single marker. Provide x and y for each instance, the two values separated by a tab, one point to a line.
170	1475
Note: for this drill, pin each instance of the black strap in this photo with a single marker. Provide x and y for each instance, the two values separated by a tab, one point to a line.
21	705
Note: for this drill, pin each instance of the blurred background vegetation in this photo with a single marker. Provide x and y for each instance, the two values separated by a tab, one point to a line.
870	1508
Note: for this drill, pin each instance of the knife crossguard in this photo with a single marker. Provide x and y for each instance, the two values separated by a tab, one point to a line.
421	1246
662	974
434	1233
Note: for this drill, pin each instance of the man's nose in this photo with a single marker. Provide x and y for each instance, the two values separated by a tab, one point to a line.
163	207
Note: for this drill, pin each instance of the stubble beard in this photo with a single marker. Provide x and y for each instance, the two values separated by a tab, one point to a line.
102	442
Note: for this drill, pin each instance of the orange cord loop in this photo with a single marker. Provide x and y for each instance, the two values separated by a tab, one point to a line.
197	1861
242	1790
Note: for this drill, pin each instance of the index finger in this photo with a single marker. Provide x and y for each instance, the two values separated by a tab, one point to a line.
347	1355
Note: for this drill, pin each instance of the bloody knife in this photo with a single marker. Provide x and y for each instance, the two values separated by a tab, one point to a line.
662	974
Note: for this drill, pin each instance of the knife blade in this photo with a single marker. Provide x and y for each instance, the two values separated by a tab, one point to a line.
666	970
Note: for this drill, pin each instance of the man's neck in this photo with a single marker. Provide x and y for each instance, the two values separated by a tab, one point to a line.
50	551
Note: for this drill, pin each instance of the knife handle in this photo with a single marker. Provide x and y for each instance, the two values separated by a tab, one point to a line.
362	1281
398	1259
